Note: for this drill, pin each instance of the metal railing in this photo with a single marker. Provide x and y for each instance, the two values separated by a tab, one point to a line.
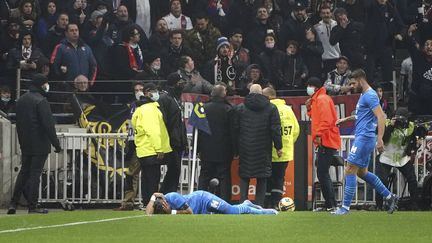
365	194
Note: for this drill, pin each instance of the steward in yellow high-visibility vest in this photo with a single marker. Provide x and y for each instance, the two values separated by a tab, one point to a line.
290	131
151	139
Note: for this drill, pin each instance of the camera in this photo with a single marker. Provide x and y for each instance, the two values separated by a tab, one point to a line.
401	122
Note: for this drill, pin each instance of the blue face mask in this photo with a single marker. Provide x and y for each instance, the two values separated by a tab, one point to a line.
155	96
310	90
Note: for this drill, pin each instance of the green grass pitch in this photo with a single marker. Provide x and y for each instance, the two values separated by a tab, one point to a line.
358	226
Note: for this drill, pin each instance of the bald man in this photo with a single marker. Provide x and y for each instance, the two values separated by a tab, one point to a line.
257	123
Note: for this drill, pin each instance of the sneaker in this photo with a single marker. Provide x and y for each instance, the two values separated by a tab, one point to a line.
331	210
12	209
250	204
392	203
270	211
340	211
38	210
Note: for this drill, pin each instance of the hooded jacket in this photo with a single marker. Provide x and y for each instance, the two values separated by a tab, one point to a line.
323	117
258	125
35	123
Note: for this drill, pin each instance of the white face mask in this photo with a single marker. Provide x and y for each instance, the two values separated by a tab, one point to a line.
138	95
156	67
270	45
310	90
46	88
5	99
155	96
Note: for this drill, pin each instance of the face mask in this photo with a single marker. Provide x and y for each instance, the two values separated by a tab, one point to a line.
156	67
5	99
310	90
138	95
155	96
46	88
270	45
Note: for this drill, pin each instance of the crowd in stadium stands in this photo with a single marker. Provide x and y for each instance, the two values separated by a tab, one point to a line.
277	43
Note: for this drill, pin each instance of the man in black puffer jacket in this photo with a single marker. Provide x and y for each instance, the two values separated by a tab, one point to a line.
36	133
258	124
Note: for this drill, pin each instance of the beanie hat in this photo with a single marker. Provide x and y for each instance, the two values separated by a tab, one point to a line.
97	13
221	41
149	86
314	81
236	31
173	78
39	79
150	57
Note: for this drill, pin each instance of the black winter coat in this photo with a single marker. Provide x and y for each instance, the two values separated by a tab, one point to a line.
217	147
312	52
258	125
271	62
35	123
172	115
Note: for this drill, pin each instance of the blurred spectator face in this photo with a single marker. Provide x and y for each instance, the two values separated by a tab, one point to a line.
27	8
380	93
342	18
176	8
300	14
98	21
162	26
342	66
156	64
224	51
190	65
122	13
236	40
254	74
310	36
5	95
135	38
78	4
326	15
81	83
262	14
382	1
52	8
27	41
13	30
428	48
62	21
291	49
83	4
201	24
269	42
138	90
176	40
72	33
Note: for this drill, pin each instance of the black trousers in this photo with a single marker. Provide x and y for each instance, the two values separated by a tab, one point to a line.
275	184
385	59
171	180
324	156
28	179
383	171
261	186
150	177
220	170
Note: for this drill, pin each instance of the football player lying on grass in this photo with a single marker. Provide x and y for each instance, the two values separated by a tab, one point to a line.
199	202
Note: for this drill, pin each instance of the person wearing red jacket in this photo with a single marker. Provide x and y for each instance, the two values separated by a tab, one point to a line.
325	136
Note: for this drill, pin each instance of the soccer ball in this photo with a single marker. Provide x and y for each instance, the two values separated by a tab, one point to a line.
286	204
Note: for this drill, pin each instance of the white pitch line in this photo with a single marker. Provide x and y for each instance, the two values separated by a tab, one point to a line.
69	224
